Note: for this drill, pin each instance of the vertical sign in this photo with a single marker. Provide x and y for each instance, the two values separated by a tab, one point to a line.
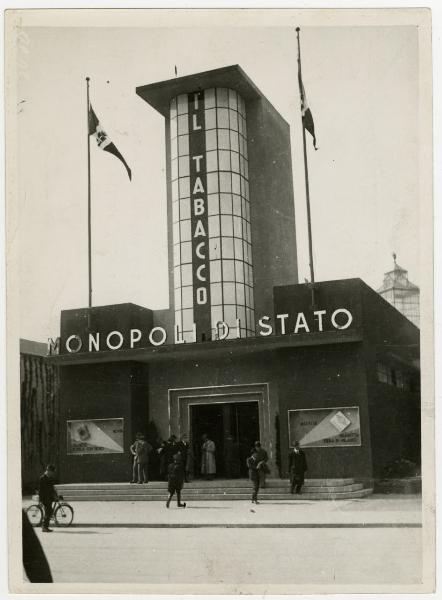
199	219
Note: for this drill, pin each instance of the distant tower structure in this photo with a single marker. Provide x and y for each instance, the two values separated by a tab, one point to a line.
401	293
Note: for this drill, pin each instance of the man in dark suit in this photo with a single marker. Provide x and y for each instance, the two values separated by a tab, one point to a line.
297	467
184	448
47	495
166	452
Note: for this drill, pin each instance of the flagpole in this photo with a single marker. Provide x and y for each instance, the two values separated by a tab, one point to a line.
89	229
309	218
307	187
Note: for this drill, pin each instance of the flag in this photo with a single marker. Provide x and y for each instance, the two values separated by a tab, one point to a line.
307	117
103	141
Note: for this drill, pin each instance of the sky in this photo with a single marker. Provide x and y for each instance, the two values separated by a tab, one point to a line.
362	87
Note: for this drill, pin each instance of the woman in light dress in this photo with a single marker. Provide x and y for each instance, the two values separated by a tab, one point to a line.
208	461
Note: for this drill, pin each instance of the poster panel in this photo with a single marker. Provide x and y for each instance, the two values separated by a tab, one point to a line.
325	427
95	436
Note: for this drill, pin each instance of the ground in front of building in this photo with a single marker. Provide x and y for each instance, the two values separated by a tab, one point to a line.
369	541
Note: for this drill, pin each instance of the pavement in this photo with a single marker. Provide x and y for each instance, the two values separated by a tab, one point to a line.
374	541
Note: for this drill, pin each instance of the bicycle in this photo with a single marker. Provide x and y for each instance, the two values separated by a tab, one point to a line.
62	513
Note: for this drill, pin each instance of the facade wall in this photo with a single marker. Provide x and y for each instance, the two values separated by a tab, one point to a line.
392	343
395	427
330	368
39	408
111	390
272	203
225	371
314	377
326	377
103	320
391	427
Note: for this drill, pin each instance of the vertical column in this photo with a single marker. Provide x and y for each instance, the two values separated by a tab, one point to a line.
199	219
213	272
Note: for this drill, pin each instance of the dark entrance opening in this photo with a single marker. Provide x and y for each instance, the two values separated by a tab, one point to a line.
233	426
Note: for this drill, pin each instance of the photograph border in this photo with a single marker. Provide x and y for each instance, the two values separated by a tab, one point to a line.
421	18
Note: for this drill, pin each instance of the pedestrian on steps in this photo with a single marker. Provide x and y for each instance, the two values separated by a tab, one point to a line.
253	466
175	479
262	457
140	450
297	467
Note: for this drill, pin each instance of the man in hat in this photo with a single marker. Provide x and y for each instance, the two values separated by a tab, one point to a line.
262	457
252	465
140	450
297	468
257	465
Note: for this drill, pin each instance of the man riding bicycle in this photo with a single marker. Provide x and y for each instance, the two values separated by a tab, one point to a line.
47	494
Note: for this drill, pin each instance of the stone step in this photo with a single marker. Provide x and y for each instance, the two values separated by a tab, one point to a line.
216	483
190	496
141	490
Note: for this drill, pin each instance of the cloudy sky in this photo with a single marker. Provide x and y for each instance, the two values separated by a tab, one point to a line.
362	85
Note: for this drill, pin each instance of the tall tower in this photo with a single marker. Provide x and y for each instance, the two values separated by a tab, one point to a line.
401	293
231	221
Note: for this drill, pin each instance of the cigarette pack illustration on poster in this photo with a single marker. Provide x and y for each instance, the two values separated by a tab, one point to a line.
322	427
98	436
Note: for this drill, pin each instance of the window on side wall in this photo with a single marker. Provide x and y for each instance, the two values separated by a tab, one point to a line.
384	373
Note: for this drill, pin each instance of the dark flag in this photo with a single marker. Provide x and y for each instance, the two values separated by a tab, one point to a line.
307	117
103	141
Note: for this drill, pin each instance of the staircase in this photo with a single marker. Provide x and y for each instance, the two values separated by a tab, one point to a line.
229	489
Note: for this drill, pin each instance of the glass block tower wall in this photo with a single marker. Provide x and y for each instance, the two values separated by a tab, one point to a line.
212	249
230	205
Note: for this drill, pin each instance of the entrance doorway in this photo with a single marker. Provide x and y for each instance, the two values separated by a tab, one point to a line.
233	426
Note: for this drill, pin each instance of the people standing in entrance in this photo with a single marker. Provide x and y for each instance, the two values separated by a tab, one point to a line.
175	480
47	495
208	460
167	451
262	458
140	450
185	449
297	467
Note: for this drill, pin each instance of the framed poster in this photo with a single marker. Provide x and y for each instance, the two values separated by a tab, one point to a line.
95	436
325	427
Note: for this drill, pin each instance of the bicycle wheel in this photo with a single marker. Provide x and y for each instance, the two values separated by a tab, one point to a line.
35	515
64	515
